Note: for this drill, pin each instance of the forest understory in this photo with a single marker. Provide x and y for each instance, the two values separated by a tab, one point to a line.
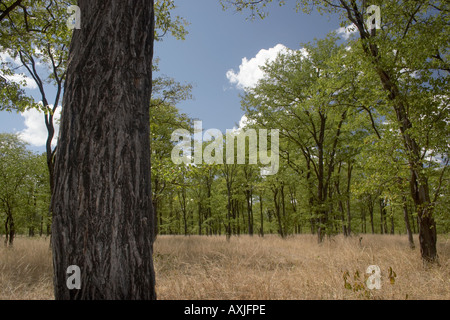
257	268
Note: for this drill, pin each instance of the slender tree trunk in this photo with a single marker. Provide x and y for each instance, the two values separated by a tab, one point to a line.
262	215
341	205
321	212
160	223
283	206
155	215
276	203
208	210
200	222
413	222
171	214
191	214
371	209
392	221
248	196
185	223
103	217
49	150
363	220
293	201
10	229
41	227
229	205
408	226
383	223
349	216
182	200
244	226
6	231
269	216
237	216
155	207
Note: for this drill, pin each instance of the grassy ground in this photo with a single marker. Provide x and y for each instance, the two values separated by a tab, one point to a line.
257	268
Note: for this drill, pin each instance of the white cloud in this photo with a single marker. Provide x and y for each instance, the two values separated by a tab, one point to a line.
18	77
250	71
6	57
347	31
243	123
35	132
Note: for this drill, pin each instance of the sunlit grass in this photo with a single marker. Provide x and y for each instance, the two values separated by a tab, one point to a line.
194	267
295	268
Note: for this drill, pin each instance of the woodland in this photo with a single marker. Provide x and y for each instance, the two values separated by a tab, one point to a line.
363	128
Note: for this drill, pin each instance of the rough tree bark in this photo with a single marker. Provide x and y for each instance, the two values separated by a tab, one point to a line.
103	217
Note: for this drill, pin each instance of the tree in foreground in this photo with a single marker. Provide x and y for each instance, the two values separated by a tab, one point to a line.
102	208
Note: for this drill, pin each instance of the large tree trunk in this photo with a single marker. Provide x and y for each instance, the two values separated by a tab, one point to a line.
103	219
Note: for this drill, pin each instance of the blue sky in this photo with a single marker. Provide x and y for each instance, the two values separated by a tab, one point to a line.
217	42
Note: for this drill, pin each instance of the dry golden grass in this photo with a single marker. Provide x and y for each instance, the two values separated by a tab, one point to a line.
295	268
26	270
191	268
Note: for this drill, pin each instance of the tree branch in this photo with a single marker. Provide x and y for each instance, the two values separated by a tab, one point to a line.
6	12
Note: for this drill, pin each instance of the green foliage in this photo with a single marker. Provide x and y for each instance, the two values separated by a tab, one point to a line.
35	35
357	284
165	23
12	96
24	188
344	160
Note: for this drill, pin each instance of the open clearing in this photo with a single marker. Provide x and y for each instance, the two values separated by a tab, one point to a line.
257	268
